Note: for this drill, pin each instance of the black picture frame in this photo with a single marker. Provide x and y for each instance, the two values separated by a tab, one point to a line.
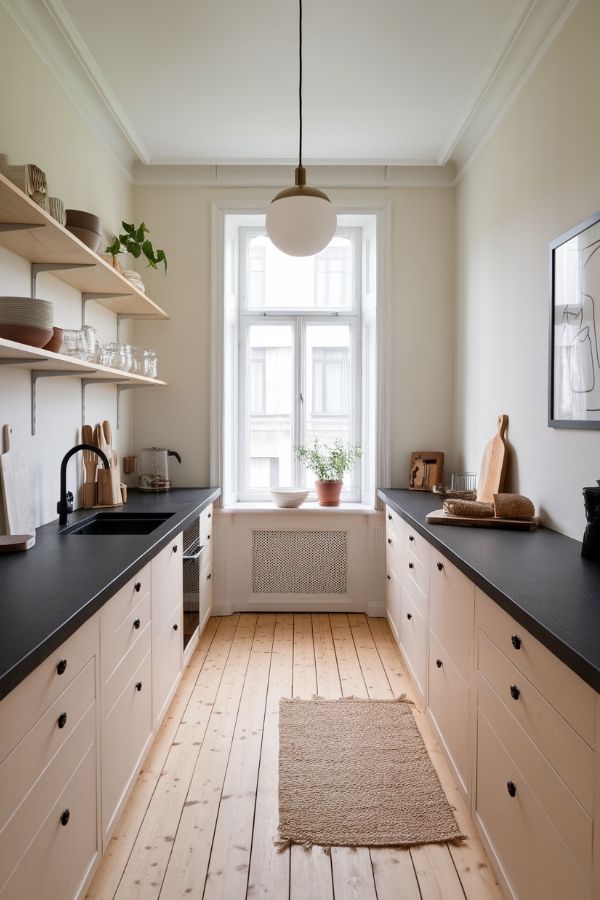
574	340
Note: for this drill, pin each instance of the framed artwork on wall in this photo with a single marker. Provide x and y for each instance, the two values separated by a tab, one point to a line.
574	383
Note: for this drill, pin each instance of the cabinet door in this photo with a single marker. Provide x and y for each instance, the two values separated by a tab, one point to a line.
449	708
206	581
413	641
393	603
167	583
167	652
452	611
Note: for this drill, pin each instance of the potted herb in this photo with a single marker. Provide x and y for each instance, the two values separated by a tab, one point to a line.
134	241
329	465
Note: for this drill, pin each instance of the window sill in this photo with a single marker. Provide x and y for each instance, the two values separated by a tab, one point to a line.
309	507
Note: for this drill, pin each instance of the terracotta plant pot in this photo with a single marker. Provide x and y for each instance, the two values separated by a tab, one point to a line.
329	492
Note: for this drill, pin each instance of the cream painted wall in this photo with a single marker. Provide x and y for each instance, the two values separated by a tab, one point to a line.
422	278
538	175
38	123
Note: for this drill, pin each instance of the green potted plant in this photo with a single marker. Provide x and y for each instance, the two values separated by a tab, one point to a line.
134	241
329	463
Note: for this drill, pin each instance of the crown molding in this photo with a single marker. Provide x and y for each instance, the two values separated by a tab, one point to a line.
276	176
39	24
533	30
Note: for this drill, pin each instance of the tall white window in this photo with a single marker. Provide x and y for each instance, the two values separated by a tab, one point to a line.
299	358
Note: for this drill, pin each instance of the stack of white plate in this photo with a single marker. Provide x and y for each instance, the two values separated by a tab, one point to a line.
27	320
132	276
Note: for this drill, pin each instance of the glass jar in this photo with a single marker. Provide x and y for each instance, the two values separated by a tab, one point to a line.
138	357
73	343
151	364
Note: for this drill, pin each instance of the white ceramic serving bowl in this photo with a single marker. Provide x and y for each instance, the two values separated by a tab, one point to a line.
288	498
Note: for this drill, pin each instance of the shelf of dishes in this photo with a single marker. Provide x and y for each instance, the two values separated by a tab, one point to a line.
29	231
14	353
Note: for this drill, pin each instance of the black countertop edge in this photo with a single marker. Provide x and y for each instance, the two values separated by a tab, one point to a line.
145	549
588	669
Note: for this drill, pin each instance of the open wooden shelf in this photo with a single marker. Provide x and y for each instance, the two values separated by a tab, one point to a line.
49	243
13	353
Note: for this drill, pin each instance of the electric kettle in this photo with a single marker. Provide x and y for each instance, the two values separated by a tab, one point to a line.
154	469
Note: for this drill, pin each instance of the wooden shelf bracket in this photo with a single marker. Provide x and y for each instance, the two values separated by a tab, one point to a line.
36	268
42	373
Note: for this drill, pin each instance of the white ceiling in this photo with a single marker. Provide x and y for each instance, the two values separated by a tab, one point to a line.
391	82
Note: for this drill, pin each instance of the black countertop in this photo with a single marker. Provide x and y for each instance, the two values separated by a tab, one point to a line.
48	592
538	577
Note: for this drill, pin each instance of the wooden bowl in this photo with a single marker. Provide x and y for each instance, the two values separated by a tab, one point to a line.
26	334
55	343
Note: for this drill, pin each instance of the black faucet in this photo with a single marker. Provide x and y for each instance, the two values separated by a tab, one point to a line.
65	504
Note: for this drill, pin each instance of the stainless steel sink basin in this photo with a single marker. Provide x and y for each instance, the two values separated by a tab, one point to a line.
119	523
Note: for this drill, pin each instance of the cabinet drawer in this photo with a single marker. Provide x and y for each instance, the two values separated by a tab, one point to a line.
61	856
129	631
28	702
27	762
417	545
567	815
449	707
167	652
418	597
394	553
413	640
206	526
452	611
126	731
393	523
28	818
416	572
566	691
120	607
167	583
535	860
557	741
123	673
393	602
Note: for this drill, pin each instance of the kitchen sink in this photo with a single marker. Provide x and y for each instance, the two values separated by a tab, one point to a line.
119	523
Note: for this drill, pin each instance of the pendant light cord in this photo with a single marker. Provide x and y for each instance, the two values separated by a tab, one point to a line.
300	82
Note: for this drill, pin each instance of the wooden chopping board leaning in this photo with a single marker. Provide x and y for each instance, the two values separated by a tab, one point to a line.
16	496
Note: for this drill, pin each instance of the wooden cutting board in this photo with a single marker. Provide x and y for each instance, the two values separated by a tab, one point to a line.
439	517
493	464
18	508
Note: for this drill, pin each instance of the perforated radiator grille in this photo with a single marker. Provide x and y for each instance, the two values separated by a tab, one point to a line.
191	567
299	562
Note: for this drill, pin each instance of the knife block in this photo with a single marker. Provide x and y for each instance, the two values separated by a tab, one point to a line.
109	488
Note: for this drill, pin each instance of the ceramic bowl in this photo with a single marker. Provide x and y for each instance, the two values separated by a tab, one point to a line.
81	219
26	334
55	343
91	239
288	498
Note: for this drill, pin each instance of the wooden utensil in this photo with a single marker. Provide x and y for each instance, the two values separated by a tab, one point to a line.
493	464
90	465
112	455
18	508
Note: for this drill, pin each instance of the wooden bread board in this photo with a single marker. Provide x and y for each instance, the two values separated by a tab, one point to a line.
439	517
18	508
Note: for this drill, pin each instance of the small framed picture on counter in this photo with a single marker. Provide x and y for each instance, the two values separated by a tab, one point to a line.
574	382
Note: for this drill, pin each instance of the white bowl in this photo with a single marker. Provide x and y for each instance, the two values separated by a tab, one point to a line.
288	498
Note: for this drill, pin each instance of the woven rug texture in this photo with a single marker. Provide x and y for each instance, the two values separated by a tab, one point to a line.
356	773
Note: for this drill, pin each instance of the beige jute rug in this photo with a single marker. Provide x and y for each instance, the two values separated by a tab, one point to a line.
356	773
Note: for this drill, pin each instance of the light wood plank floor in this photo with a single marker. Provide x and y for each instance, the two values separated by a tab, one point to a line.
202	818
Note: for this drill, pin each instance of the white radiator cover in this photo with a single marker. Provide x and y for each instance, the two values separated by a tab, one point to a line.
299	562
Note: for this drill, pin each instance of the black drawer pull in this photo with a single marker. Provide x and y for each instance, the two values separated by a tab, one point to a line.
61	667
440	566
389	577
389	540
65	817
209	576
439	663
411	538
209	516
175	627
138	686
62	720
174	548
515	693
409	616
390	517
411	565
511	788
136	623
208	537
516	641
137	587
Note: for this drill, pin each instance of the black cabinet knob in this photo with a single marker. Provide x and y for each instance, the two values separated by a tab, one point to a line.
65	817
411	565
389	540
516	641
440	566
175	627
174	548
209	516
439	663
136	623
208	537
137	587
389	517
409	616
515	693
411	538
511	788
62	720
389	577
138	686
209	576
61	667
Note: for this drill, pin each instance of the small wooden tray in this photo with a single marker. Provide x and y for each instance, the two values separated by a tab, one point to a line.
439	517
13	543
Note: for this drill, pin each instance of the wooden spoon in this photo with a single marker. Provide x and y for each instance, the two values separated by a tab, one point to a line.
90	460
112	454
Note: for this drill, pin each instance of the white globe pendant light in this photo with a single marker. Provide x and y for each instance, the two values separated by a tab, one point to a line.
301	220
